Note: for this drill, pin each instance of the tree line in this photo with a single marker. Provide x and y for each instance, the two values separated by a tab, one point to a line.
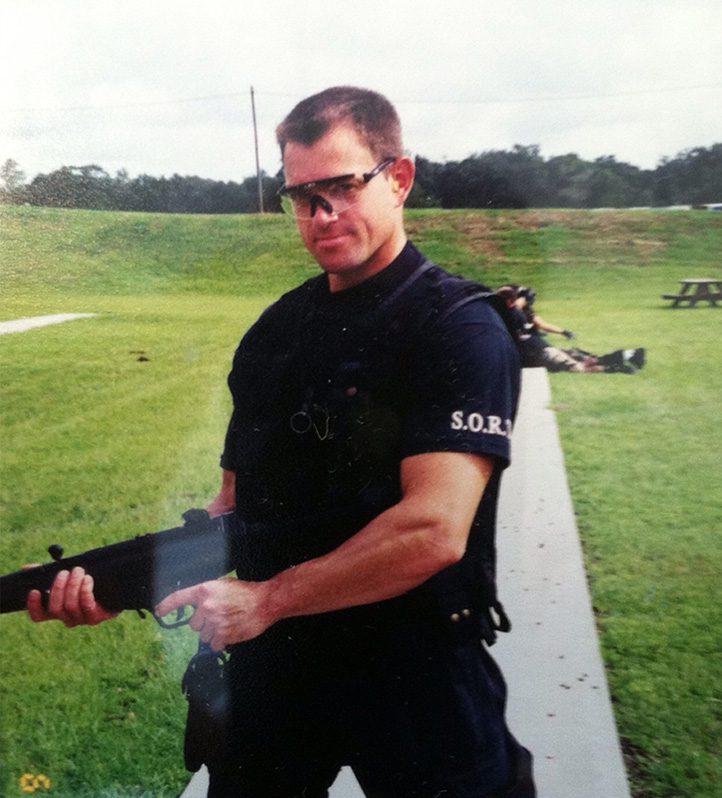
516	178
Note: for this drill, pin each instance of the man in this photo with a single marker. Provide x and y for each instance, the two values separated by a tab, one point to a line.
529	332
377	401
535	349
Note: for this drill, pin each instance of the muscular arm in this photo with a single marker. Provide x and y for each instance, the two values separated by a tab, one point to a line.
403	547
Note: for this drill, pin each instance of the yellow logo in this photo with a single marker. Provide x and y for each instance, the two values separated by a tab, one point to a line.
30	783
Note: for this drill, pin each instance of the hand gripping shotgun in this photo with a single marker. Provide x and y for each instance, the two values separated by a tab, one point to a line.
136	574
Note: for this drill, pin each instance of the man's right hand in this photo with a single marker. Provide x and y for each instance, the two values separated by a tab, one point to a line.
71	601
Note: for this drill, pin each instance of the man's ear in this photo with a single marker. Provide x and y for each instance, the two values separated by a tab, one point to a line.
402	177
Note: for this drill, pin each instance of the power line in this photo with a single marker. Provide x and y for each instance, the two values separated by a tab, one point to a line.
444	101
563	97
138	104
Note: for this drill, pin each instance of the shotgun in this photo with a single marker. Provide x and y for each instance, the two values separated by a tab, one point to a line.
137	574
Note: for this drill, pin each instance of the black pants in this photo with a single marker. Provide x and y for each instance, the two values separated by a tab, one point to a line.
414	715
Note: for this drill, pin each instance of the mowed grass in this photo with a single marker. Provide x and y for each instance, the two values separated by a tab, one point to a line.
112	426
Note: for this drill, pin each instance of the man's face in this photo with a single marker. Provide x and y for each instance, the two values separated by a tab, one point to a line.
359	242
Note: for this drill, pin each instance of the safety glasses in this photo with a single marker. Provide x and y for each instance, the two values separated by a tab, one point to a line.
333	195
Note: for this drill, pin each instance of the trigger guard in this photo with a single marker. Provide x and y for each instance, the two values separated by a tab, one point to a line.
180	619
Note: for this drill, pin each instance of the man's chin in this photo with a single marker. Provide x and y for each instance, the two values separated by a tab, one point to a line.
334	261
332	250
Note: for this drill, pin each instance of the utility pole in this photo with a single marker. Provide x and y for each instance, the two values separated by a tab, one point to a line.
258	164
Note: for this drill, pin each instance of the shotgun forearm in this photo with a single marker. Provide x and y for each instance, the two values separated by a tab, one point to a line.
136	574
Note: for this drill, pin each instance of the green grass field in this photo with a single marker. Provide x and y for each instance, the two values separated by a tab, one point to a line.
112	426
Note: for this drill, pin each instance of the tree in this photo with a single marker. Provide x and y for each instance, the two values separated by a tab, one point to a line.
524	174
12	180
694	177
567	179
615	184
424	192
516	178
73	187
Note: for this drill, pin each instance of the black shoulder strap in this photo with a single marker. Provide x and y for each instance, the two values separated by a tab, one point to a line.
477	291
407	283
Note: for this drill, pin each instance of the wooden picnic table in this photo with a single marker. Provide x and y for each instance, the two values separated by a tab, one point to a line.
697	289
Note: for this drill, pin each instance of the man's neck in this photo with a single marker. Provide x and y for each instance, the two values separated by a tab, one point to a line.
350	278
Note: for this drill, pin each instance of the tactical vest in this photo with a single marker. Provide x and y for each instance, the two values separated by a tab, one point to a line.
330	423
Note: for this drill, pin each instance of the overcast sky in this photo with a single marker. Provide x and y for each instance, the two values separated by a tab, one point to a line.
163	86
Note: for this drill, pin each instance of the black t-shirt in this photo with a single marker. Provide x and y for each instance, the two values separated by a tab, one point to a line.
332	390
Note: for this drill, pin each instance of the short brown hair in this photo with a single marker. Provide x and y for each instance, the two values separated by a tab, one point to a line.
370	114
509	293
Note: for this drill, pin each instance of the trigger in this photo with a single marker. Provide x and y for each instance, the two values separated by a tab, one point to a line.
181	619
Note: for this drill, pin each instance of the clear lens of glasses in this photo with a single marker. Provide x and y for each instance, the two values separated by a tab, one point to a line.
333	195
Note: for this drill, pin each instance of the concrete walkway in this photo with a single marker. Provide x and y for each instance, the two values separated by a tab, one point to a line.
559	704
32	322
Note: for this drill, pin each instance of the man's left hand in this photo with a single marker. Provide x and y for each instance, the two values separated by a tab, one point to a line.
227	611
71	601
